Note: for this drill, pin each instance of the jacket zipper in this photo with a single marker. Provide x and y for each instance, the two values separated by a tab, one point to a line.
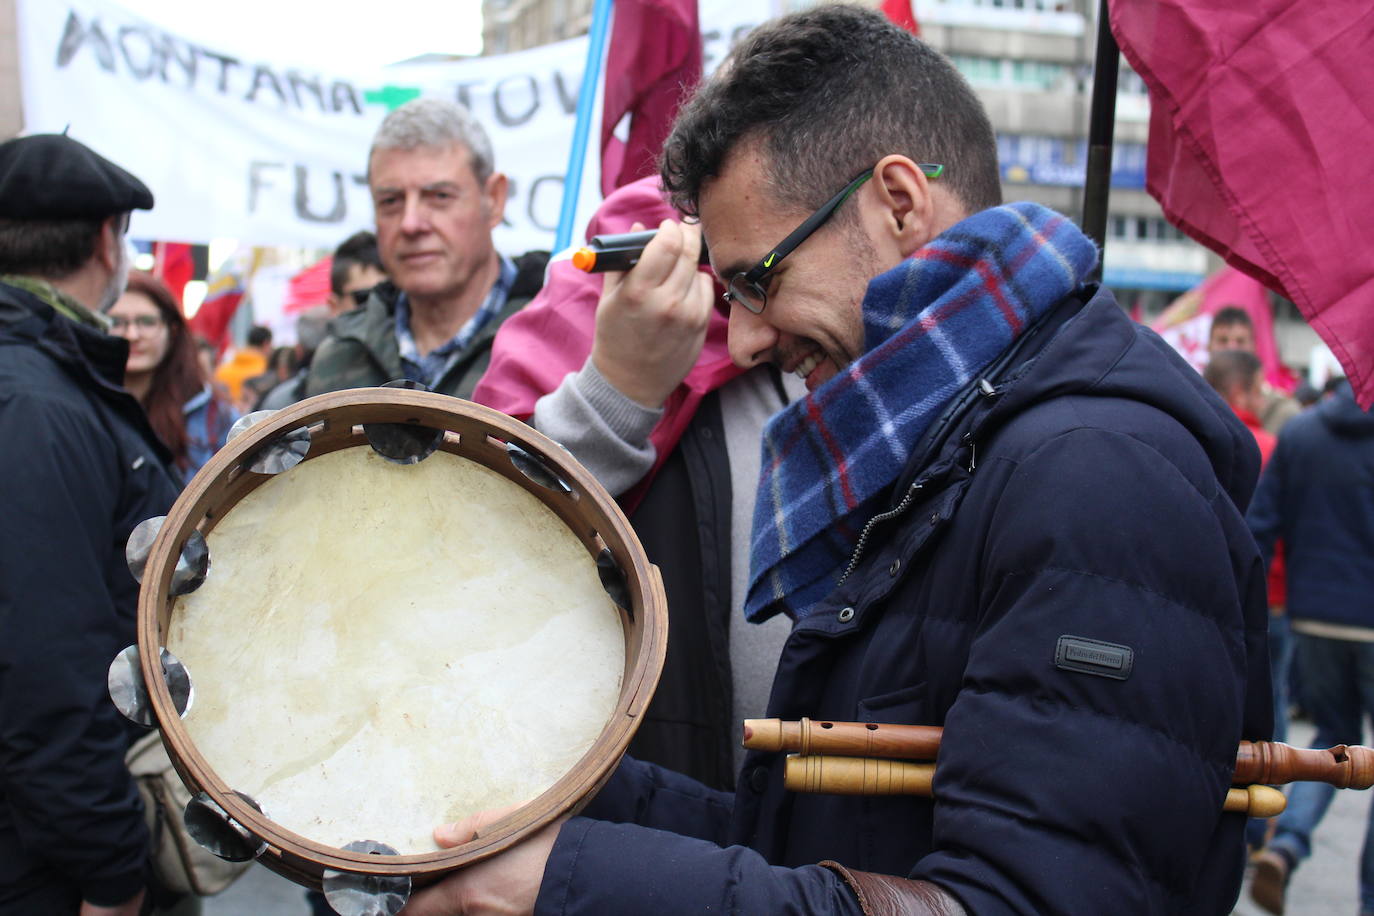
868	528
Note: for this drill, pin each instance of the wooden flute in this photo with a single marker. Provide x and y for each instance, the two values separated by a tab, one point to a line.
830	775
1267	762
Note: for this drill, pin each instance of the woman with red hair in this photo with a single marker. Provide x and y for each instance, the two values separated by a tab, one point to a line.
164	373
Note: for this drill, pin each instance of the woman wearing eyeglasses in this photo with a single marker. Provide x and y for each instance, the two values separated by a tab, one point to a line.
164	374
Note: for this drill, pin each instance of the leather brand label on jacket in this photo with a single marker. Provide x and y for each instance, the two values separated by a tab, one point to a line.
1090	656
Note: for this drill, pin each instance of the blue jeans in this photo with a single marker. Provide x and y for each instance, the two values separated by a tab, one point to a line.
1338	689
1280	667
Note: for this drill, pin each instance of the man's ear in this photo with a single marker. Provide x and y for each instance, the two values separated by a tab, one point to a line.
907	210
497	187
108	241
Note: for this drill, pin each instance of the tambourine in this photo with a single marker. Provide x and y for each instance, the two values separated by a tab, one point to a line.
378	611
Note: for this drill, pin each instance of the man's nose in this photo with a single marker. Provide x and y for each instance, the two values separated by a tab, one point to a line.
414	219
751	339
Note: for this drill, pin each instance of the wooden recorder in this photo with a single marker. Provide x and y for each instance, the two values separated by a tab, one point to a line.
868	758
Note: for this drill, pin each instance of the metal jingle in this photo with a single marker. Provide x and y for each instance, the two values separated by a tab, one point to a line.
247	421
193	565
408	384
213	828
282	453
403	443
140	545
613	581
535	469
129	691
354	894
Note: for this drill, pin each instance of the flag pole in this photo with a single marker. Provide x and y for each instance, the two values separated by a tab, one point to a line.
586	103
1097	182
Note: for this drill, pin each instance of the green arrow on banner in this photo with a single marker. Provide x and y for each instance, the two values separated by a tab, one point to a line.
392	97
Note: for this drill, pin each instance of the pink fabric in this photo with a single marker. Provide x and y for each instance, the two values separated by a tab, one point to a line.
653	63
552	336
1260	130
1187	323
310	287
899	12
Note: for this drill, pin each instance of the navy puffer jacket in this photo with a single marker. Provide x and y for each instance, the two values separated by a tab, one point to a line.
1318	495
1095	495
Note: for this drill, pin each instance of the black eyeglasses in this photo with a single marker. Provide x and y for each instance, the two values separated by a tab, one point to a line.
143	323
360	296
746	287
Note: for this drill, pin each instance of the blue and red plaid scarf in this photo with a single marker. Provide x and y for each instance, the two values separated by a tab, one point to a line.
931	324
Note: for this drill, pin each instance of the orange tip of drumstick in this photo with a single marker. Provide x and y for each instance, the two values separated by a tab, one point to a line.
584	259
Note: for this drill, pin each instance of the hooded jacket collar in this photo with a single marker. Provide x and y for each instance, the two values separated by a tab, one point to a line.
96	360
1343	416
1087	346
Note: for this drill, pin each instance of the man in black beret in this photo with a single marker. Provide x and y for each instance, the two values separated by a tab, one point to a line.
80	467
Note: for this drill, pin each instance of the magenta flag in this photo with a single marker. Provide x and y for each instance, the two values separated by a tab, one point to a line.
652	65
1261	131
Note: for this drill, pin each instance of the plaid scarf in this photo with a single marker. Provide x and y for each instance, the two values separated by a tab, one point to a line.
931	324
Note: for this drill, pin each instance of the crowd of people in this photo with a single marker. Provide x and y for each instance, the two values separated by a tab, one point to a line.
912	464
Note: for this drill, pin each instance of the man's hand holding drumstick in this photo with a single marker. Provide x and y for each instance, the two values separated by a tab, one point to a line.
507	884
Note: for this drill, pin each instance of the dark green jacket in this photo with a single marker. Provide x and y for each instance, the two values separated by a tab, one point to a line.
361	350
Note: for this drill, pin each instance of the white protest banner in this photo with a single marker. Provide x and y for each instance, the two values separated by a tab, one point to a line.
274	152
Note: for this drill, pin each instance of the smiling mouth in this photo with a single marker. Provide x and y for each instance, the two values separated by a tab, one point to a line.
808	363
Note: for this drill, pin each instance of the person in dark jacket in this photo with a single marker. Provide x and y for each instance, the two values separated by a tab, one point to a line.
1002	509
1317	495
81	467
437	198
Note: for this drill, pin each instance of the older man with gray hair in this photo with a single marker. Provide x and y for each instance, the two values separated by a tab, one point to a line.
437	197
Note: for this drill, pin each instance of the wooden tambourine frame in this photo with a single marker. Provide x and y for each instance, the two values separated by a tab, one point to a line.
477	434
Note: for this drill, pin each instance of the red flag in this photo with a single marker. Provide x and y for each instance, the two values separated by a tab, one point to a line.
899	12
225	293
173	265
309	288
652	64
1260	130
1187	323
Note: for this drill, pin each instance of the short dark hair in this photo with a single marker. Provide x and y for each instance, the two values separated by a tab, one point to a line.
360	249
1232	314
259	336
48	248
827	92
1230	370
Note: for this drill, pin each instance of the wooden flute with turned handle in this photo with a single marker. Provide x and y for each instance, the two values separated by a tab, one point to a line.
870	758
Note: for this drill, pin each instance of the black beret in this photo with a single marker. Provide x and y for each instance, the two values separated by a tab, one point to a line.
51	176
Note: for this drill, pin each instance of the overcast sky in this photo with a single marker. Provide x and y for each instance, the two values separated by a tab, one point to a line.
329	34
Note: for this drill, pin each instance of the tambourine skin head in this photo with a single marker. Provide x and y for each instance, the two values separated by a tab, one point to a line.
211	827
355	894
129	692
